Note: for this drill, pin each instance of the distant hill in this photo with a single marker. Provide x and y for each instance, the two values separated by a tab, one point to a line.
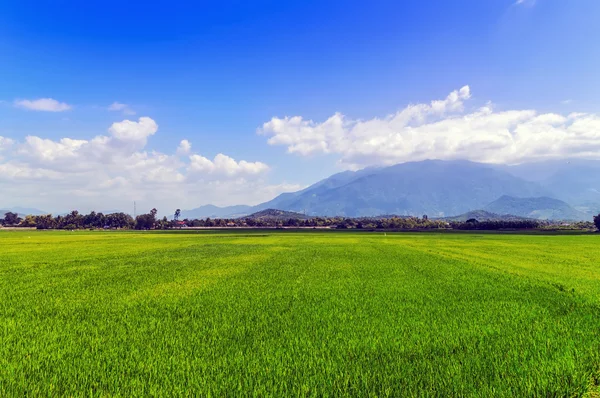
274	214
433	187
482	215
541	208
575	181
442	188
22	211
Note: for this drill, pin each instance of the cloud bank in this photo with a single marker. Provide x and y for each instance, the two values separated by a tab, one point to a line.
441	129
116	169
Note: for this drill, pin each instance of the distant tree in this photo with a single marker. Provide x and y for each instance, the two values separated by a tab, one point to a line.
29	221
472	221
93	220
45	222
425	218
163	223
177	214
73	220
597	221
11	218
119	220
145	221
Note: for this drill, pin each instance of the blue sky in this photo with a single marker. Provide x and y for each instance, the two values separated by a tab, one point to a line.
214	73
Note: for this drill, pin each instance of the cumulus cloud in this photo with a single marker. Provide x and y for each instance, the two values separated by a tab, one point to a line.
117	168
5	143
43	104
223	165
119	107
441	130
184	148
137	132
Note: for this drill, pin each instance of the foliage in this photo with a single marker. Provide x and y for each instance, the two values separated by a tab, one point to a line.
11	218
473	224
277	219
145	221
74	220
597	221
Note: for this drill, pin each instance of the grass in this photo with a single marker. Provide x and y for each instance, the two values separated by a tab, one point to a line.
298	314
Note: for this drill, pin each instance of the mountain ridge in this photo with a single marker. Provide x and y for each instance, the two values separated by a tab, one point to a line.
438	188
541	208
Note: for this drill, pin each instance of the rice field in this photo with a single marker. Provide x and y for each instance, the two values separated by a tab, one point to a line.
272	313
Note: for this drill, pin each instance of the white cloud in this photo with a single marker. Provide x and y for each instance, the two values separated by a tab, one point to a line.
43	104
184	147
223	165
566	102
441	130
119	107
137	132
112	170
5	143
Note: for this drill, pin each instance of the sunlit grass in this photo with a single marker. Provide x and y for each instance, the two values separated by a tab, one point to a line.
279	314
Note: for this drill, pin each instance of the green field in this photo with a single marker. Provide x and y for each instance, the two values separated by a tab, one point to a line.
298	314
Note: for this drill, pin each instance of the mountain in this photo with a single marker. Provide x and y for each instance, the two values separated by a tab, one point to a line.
433	187
216	212
575	181
563	189
310	197
541	208
23	211
282	201
482	215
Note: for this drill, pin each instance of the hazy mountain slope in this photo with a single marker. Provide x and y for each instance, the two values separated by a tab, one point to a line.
542	208
310	196
435	188
283	201
576	181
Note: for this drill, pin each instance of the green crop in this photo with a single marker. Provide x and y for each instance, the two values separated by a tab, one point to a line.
298	314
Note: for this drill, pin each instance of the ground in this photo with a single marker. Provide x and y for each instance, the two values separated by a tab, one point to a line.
298	313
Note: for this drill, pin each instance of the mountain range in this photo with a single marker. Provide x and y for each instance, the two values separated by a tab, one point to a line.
560	189
542	208
545	190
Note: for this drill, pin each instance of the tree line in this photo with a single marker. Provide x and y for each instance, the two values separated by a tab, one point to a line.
73	220
93	220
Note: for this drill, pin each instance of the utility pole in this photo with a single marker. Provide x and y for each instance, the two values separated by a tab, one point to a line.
134	210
